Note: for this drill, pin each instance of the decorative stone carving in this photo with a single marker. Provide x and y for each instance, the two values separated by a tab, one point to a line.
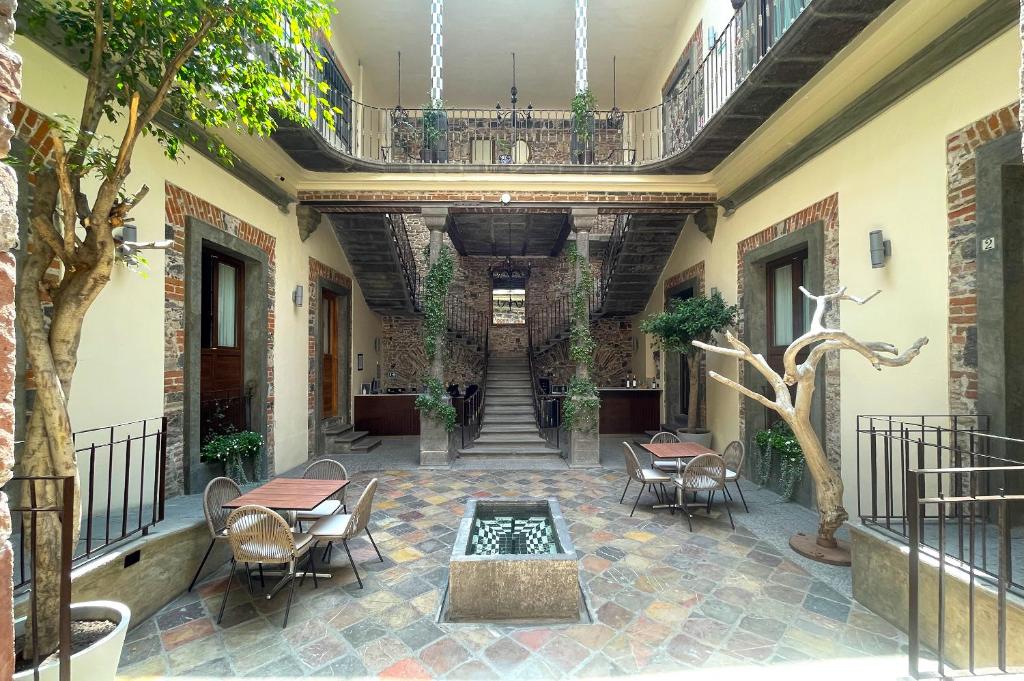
308	219
706	220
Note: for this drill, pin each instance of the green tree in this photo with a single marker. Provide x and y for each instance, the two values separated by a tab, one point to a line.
211	64
684	322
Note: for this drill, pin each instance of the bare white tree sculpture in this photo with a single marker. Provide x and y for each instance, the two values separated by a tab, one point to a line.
818	341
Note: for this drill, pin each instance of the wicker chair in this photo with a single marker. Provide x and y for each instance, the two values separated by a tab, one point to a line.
734	455
342	527
259	536
218	492
324	469
647	477
666	465
705	473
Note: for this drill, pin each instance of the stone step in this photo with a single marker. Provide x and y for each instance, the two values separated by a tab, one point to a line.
500	410
347	437
509	439
505	450
507	401
365	444
516	381
336	429
509	392
511	463
524	426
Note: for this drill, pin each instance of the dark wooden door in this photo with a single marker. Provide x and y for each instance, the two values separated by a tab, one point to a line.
329	353
789	312
221	380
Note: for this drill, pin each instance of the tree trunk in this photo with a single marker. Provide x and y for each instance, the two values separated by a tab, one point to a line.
828	485
52	356
693	406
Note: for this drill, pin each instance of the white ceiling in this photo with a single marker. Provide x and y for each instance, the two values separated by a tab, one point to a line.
480	35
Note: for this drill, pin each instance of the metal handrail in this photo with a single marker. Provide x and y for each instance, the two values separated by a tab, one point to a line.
406	256
615	243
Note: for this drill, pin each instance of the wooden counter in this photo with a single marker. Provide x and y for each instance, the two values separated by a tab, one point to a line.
629	410
387	414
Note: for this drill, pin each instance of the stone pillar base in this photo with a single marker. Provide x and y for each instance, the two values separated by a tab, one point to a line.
433	444
584	450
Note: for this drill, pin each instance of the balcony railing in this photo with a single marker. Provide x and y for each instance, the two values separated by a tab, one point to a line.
531	137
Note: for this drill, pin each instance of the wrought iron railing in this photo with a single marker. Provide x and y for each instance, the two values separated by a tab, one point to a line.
550	323
616	241
948	489
406	257
466	323
473	406
41	499
123	470
545	136
546	409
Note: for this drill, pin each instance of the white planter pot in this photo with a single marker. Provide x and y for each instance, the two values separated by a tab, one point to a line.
99	661
702	438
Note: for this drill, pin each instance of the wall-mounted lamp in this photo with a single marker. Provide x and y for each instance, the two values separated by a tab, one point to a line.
881	248
297	296
130	233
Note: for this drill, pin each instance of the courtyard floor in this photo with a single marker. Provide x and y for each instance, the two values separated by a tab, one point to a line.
721	603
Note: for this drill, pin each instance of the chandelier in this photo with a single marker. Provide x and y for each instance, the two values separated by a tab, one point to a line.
511	276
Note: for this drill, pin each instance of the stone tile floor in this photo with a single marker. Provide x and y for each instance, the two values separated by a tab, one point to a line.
716	602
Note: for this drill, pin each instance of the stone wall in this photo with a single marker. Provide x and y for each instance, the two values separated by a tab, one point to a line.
612	358
10	92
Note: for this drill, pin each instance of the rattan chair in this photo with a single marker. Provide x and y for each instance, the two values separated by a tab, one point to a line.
705	473
218	492
647	477
343	527
259	536
324	469
666	465
733	455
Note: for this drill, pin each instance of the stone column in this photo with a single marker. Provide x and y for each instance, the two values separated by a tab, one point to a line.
433	436
584	448
10	92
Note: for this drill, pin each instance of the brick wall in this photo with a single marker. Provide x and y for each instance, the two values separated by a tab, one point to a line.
961	206
180	204
518	197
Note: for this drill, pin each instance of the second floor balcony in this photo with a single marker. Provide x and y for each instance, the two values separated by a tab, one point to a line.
718	97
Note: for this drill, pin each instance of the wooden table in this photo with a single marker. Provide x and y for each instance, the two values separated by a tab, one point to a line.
677	451
290	494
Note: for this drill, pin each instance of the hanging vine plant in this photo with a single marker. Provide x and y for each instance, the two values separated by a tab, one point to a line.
582	404
779	443
432	402
435	321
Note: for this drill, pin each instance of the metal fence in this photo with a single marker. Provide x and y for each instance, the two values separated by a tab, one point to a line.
122	469
38	501
947	488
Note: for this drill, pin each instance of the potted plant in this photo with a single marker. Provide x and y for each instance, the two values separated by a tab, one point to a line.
435	129
81	194
583	126
101	647
236	452
676	329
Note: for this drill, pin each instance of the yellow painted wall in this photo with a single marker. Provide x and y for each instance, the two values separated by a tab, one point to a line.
120	372
890	175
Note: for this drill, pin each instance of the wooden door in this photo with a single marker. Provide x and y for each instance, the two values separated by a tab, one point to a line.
789	311
329	353
221	381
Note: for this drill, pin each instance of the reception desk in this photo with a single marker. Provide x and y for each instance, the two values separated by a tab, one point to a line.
387	414
629	410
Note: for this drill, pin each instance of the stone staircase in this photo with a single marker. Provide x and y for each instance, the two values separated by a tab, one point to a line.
509	425
342	438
